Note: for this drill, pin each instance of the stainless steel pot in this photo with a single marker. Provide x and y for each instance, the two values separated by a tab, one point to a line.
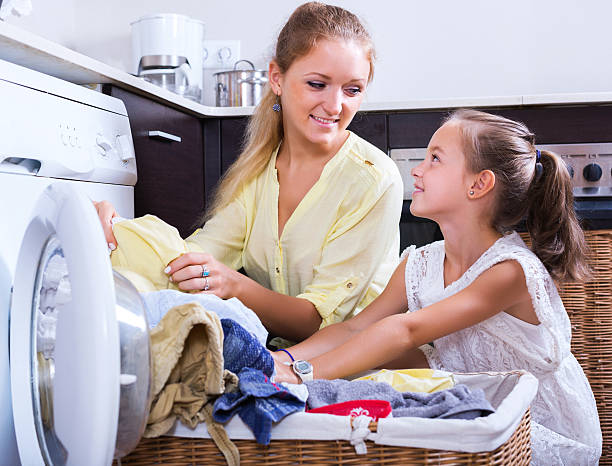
240	88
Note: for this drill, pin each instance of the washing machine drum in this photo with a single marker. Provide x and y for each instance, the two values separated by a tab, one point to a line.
79	343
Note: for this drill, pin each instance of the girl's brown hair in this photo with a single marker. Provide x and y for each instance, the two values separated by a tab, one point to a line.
543	197
308	24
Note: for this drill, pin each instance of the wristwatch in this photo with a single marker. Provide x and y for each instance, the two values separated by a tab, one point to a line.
303	369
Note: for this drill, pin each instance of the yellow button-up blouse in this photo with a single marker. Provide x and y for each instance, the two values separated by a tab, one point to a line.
339	247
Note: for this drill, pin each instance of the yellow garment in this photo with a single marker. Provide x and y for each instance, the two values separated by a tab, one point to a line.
339	247
145	246
188	374
413	380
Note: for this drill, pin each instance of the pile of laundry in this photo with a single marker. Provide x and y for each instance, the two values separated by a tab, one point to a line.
210	362
207	367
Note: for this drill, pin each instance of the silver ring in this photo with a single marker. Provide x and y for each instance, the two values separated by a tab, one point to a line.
205	271
206	284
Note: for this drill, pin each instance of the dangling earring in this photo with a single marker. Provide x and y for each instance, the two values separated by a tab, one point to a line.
277	107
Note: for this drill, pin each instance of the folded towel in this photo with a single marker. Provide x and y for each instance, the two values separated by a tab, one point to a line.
458	402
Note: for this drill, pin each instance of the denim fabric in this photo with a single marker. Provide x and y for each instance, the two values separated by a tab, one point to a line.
258	402
241	350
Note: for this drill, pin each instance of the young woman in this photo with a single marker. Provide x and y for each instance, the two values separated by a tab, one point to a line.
486	301
309	210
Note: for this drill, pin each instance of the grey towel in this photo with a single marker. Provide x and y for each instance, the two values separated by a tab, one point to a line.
459	402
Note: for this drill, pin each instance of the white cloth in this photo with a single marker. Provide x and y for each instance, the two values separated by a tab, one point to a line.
565	423
158	303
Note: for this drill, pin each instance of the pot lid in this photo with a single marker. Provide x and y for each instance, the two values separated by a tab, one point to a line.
235	70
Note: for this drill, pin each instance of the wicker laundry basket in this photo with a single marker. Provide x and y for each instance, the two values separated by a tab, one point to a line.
500	438
589	306
192	451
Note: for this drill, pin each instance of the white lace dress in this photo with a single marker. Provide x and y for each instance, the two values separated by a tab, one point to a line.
565	424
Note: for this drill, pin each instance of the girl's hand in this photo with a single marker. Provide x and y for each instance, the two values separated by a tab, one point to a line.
106	212
201	272
284	372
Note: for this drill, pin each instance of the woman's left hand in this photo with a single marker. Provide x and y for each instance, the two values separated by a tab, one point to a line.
201	272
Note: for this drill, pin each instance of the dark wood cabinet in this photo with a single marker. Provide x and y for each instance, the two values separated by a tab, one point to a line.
551	124
171	180
372	127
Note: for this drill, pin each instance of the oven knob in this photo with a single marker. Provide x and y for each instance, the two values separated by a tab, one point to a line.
592	172
570	170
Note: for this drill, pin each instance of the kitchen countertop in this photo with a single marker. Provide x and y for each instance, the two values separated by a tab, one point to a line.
26	49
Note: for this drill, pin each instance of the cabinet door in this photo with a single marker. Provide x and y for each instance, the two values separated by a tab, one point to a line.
372	127
413	130
170	173
233	132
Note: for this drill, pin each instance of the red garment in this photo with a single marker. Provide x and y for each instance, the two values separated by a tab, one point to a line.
375	409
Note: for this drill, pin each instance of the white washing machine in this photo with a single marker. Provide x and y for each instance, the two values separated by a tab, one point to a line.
74	347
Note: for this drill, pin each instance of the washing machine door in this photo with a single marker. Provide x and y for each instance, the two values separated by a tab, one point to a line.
64	339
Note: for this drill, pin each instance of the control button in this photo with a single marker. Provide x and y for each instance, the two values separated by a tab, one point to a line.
104	146
592	172
125	148
570	169
103	143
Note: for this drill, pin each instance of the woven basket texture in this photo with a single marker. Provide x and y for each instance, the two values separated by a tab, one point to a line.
191	451
589	306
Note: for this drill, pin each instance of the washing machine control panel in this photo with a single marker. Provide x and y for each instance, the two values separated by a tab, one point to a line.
73	140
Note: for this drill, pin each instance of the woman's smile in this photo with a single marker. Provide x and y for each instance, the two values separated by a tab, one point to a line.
325	122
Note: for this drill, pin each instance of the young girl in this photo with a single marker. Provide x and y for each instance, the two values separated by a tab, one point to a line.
305	193
486	301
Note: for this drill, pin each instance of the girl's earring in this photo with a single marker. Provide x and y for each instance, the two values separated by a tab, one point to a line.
471	193
277	107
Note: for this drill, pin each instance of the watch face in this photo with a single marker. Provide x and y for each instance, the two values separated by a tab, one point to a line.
303	367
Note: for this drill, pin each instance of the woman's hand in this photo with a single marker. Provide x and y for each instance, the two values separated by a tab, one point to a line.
196	271
284	372
106	213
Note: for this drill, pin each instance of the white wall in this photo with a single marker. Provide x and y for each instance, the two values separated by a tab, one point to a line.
426	49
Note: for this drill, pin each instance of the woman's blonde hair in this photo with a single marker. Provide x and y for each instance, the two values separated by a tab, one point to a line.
541	195
309	23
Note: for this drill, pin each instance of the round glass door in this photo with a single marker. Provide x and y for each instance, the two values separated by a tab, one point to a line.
64	336
51	293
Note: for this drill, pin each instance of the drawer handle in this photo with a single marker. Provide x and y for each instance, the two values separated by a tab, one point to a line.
164	136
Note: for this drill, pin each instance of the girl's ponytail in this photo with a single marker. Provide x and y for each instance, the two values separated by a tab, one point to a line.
530	184
556	236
